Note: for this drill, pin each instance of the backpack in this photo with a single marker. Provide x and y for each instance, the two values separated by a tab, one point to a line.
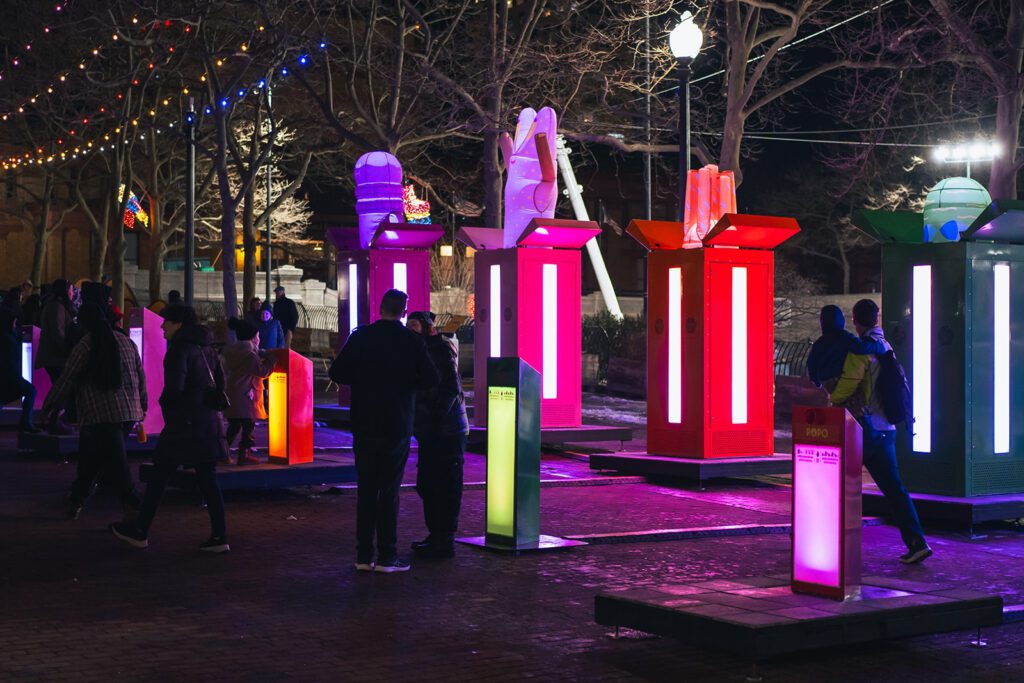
894	390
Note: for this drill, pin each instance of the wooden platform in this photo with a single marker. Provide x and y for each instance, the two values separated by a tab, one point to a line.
65	445
760	617
952	511
693	469
556	436
325	469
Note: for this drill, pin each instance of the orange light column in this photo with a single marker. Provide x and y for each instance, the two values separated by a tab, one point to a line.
291	409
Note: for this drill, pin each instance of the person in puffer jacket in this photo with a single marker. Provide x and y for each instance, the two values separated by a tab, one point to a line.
246	366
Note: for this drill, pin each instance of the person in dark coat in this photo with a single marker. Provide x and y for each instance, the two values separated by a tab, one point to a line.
246	367
440	427
193	435
56	337
287	314
385	364
271	334
828	353
12	384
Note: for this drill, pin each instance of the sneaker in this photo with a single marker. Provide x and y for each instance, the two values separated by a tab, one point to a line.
129	534
215	544
420	545
364	566
913	556
392	567
245	457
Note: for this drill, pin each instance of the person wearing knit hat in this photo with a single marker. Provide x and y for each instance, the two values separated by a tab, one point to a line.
246	367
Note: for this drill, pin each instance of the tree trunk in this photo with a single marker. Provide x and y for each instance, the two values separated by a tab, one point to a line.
156	268
493	191
249	246
98	254
1002	183
42	231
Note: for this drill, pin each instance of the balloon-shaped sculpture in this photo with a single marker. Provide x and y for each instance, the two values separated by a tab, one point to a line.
378	193
951	206
710	194
531	185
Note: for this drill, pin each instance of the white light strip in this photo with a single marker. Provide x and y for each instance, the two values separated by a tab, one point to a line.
675	345
401	280
739	346
353	296
921	314
26	361
1001	351
495	311
550	331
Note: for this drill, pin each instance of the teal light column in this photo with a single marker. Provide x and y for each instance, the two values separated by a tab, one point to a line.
513	455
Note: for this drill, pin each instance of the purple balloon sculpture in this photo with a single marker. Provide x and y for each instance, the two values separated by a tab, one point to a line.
378	193
531	185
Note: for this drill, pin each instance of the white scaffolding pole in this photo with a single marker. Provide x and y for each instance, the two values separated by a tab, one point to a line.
572	190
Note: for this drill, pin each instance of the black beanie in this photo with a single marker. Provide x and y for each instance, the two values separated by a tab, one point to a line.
243	329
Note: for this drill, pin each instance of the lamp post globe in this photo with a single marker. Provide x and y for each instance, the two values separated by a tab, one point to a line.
684	41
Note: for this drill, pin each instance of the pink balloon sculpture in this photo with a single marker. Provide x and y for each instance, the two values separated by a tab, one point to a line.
531	185
378	193
710	194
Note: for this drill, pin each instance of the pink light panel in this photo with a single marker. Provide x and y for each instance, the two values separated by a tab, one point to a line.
817	515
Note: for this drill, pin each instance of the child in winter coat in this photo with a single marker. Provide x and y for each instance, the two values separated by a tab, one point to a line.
246	367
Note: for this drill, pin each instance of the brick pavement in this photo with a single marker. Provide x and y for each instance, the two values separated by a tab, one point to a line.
285	604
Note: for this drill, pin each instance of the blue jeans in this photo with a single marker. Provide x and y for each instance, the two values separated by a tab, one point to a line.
880	460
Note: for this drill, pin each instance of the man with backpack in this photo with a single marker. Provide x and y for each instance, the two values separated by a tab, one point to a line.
873	389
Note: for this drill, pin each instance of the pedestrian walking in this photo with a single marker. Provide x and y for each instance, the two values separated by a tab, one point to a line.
385	364
440	427
104	375
12	384
287	314
857	390
193	434
828	353
56	336
271	334
246	366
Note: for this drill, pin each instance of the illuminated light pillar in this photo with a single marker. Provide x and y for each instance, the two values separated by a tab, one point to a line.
40	380
495	311
353	296
26	361
144	328
675	345
921	313
513	455
550	331
1001	354
290	419
739	346
401	277
826	509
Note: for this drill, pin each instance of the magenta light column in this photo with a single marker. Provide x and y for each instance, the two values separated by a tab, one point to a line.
144	330
528	305
37	376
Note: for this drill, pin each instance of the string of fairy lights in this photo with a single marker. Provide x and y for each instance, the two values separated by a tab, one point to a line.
16	59
78	143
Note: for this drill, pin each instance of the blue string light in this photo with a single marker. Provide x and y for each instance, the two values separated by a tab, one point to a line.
304	60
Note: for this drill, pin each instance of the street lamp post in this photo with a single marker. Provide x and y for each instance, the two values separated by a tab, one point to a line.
684	41
190	203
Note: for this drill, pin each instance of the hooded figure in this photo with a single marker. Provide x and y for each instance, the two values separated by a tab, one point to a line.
828	353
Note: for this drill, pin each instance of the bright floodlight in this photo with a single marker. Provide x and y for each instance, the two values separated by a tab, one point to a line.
941	153
685	39
976	150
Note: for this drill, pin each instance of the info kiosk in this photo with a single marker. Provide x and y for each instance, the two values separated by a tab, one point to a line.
827	459
528	301
144	329
290	421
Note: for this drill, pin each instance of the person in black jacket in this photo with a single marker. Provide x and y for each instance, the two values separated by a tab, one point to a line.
193	434
385	364
287	314
440	427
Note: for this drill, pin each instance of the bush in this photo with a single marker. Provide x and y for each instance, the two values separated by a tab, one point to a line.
607	336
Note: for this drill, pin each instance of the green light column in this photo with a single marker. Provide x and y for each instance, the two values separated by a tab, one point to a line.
513	455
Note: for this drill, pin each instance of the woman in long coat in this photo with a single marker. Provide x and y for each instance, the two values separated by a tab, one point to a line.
193	434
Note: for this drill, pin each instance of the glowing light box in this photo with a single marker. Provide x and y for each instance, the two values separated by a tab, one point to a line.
290	422
513	455
826	510
528	305
37	376
954	313
710	329
144	330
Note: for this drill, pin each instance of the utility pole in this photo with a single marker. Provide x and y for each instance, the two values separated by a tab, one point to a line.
190	200
268	260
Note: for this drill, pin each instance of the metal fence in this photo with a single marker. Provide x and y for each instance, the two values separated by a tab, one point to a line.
791	358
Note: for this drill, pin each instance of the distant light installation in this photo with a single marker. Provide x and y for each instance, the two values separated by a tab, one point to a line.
353	296
921	313
739	346
1001	353
675	345
550	331
495	312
